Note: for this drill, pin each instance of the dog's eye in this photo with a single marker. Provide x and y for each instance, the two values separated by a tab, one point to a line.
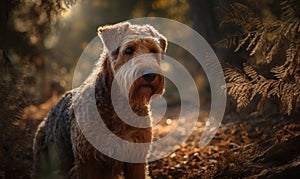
129	51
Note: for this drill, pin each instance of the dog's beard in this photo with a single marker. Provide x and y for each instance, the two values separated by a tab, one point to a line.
141	92
145	92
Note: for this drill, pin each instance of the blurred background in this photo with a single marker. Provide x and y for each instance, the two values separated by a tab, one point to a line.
42	40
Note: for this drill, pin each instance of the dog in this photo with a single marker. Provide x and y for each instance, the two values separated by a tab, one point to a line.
130	59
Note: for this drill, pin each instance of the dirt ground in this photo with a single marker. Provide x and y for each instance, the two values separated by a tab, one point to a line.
244	147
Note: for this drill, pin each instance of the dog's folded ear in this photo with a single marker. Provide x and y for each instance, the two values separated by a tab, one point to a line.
163	43
112	35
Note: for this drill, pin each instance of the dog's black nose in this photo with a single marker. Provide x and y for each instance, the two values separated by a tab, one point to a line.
149	75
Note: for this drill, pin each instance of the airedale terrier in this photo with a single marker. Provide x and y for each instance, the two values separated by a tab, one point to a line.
61	150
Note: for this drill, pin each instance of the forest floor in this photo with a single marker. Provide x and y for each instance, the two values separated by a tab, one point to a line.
244	147
248	146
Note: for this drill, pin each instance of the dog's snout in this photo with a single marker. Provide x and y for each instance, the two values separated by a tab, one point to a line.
149	75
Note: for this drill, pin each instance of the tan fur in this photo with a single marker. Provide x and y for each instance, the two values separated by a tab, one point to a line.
60	148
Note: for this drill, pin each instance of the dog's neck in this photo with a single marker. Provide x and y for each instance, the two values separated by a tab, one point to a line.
103	90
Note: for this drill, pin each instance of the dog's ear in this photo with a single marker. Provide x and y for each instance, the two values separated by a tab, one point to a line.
112	35
163	43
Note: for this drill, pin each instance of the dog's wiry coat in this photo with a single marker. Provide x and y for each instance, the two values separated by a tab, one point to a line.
61	150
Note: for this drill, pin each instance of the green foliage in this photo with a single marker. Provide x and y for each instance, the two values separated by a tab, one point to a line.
274	50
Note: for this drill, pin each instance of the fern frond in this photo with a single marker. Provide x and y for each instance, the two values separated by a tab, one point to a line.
243	90
242	42
274	91
287	96
273	51
263	87
291	16
259	43
293	52
238	86
290	9
254	40
283	71
297	74
239	14
291	28
234	75
227	42
291	64
251	72
264	39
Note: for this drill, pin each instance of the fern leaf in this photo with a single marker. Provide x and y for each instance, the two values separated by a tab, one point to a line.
290	9
251	72
274	91
238	86
242	42
253	40
227	43
287	98
239	14
259	44
273	51
234	75
290	65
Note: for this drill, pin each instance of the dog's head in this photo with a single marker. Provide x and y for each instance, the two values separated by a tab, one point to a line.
135	53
